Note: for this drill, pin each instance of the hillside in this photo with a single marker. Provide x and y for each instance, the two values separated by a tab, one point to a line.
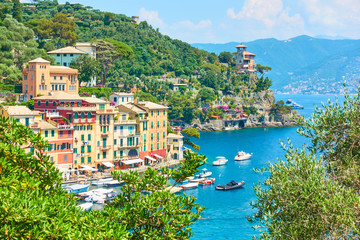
302	58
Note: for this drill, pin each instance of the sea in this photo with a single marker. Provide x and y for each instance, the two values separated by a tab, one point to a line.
226	212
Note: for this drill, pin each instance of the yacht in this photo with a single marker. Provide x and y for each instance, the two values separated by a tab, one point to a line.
220	161
242	156
204	173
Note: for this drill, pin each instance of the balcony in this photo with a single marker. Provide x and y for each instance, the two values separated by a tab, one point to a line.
78	109
65	126
118	147
104	133
104	148
52	114
125	121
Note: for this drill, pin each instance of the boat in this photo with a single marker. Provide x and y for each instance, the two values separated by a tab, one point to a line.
85	206
204	173
77	188
230	186
101	182
196	180
207	181
293	104
242	156
189	185
187	179
220	161
113	183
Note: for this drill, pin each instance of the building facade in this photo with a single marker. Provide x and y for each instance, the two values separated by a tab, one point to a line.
121	98
40	78
245	61
175	146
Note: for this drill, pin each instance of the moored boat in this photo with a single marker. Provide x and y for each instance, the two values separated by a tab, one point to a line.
230	186
85	206
204	173
220	161
207	181
189	185
113	183
101	182
78	188
242	156
196	180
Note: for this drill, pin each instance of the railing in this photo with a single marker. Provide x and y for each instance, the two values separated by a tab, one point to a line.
66	126
81	109
102	147
52	114
125	122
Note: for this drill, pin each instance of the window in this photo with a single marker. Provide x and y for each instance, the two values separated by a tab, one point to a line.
164	112
89	137
58	55
158	112
158	124
164	134
144	148
102	106
65	64
152	125
25	77
114	153
52	133
104	154
39	103
47	103
89	148
72	104
164	123
61	133
65	158
89	159
75	150
144	138
82	115
76	115
121	142
82	160
152	148
69	133
82	149
158	136
98	143
152	113
46	133
164	145
65	55
158	146
121	153
71	55
89	115
115	141
54	104
152	136
61	77
39	87
98	156
82	137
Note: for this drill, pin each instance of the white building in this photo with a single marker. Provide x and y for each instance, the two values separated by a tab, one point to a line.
122	98
175	146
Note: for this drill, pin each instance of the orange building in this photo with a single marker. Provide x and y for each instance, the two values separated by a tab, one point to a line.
40	78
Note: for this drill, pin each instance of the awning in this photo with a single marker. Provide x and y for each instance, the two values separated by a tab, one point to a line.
132	161
108	164
150	158
160	157
87	168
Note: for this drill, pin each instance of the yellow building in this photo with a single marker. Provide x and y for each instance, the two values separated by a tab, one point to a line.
21	114
40	78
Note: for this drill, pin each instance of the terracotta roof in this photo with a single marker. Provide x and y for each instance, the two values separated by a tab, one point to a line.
133	108
172	135
20	111
62	69
122	94
249	53
151	105
67	50
241	45
59	96
45	125
93	100
39	60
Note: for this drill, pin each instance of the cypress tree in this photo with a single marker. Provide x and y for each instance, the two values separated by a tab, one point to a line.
17	11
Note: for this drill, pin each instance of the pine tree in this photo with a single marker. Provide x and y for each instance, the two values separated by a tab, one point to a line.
17	11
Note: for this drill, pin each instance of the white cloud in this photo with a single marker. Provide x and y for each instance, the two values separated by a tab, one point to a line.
152	17
192	26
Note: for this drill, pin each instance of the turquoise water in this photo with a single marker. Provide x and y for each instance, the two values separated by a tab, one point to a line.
225	212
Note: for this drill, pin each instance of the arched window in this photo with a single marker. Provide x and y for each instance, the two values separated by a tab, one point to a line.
82	115
39	103
89	115
54	104
76	115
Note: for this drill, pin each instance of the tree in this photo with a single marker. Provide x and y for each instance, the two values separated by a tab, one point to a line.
262	69
226	57
314	195
63	28
206	95
87	66
191	132
108	51
33	205
17	10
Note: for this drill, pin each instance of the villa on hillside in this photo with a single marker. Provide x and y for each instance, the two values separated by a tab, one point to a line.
245	61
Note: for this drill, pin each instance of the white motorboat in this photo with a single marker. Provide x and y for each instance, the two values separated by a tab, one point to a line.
220	161
187	179
204	173
196	180
85	206
77	188
242	156
101	182
190	185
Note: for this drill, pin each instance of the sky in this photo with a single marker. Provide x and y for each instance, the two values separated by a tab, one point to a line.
215	21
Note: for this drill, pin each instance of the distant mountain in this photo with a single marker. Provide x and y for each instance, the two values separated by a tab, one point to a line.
303	58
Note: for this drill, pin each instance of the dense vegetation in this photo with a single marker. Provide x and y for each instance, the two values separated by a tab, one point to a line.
315	193
34	206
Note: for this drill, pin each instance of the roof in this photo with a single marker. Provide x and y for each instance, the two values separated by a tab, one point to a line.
93	100
122	94
59	96
62	69
241	45
172	135
39	60
67	50
45	125
249	53
20	111
133	107
84	44
151	105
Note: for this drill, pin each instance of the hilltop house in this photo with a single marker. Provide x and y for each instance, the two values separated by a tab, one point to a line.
245	61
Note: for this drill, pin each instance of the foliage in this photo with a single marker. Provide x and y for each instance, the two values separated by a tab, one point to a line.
33	203
87	66
181	107
263	84
191	132
226	57
206	95
279	108
301	185
250	110
107	51
99	92
158	214
262	69
17	10
211	79
143	96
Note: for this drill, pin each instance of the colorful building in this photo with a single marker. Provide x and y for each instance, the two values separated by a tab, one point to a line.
122	98
175	146
245	61
40	78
